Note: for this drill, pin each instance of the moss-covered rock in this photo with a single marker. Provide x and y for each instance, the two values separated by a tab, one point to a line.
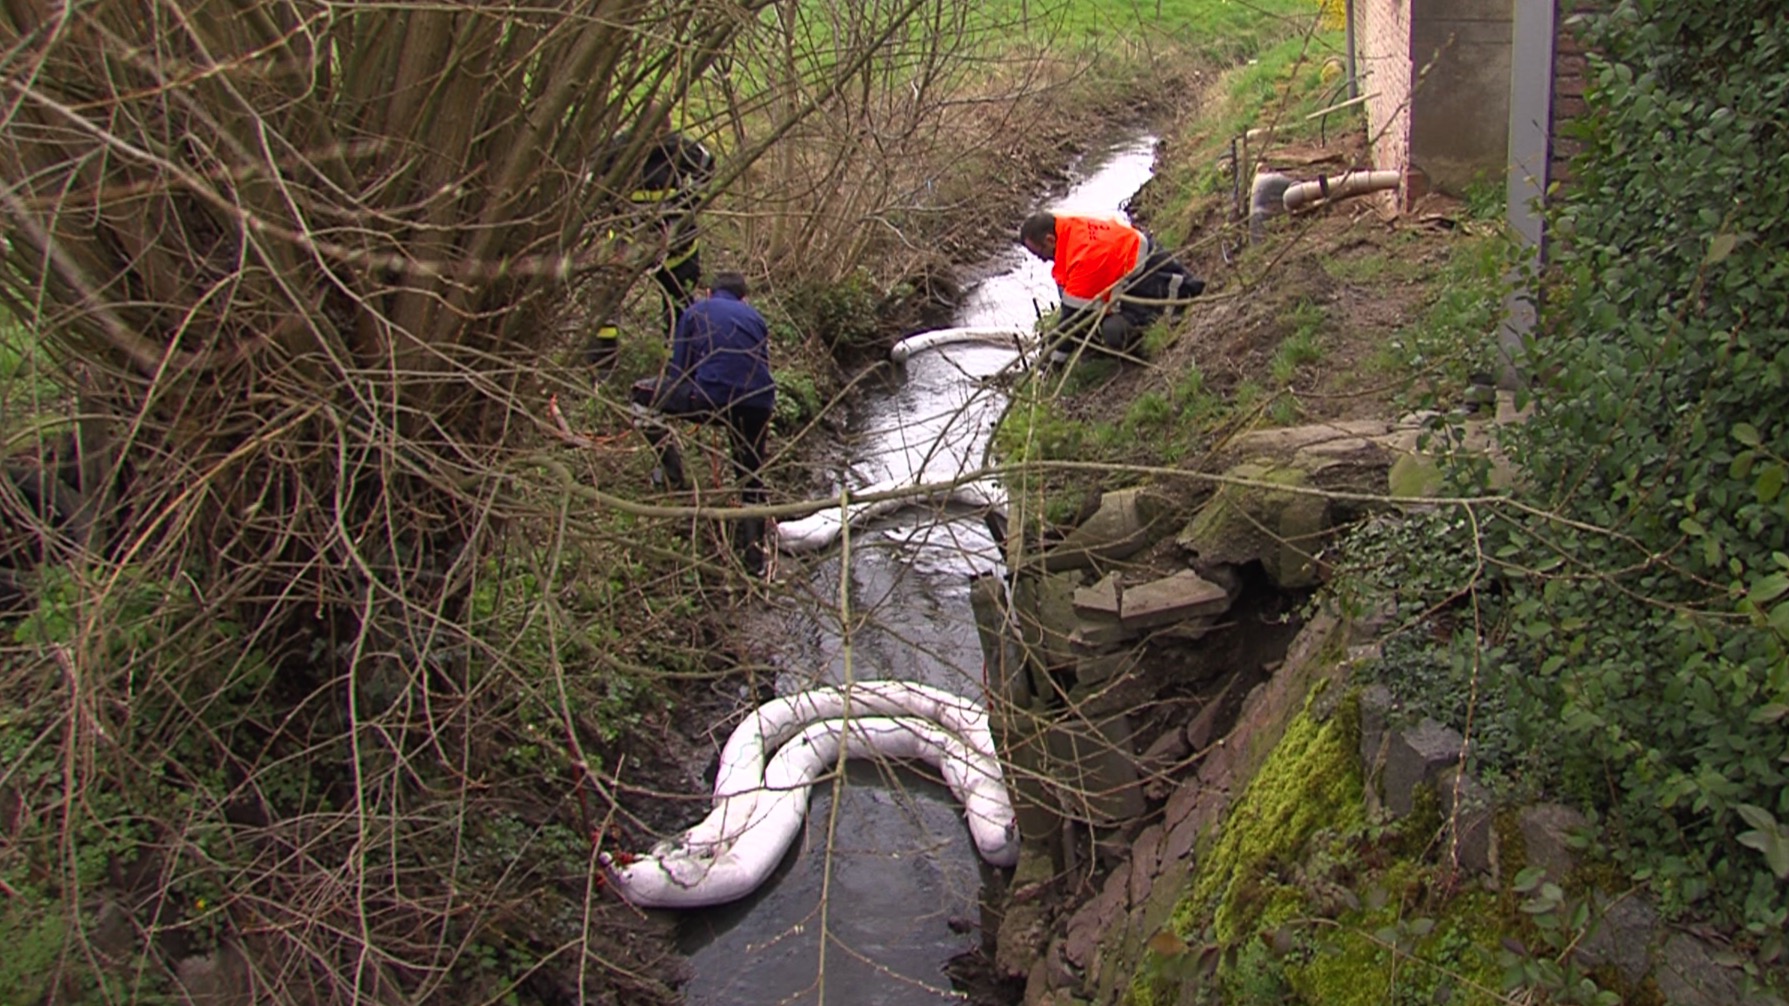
1392	954
1247	520
1311	781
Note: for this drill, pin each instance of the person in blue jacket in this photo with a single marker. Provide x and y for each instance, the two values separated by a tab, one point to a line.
719	373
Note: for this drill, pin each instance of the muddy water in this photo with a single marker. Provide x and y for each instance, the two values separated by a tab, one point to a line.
882	892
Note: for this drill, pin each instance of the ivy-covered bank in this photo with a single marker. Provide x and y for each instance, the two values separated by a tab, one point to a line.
1617	636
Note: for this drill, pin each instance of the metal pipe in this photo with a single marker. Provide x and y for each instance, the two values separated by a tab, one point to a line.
1235	183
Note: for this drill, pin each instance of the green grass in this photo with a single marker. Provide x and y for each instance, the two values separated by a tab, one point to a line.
1302	347
1457	334
1223	30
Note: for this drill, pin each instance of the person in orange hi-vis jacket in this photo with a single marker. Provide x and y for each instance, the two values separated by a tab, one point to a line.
1112	278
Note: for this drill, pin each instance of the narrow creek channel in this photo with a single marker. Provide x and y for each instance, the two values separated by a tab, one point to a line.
883	890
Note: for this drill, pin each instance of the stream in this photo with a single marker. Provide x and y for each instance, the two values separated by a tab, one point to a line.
886	870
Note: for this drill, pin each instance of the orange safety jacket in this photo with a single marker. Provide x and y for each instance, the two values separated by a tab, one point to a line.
1094	255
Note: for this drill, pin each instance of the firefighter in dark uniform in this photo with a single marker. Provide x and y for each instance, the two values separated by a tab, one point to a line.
673	174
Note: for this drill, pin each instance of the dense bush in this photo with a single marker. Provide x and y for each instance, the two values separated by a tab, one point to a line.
1633	608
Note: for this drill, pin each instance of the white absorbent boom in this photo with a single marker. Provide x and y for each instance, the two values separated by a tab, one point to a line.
760	803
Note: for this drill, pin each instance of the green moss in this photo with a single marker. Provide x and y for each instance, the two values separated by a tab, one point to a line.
1353	963
1345	967
1417	830
1311	781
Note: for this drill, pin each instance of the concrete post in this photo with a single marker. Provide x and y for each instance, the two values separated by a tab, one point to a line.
1530	159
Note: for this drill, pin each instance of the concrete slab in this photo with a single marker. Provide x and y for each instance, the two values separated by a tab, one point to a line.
1103	598
1177	598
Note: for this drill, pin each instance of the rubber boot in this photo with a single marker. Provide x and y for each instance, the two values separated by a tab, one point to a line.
749	541
1117	333
669	472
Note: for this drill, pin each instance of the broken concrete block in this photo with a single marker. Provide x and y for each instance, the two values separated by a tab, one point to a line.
1376	707
1093	922
1144	853
1044	616
1098	669
1097	632
1546	830
1166	751
1282	529
1206	727
1103	598
1340	437
1416	757
1414	476
1178	598
1125	522
1095	769
1160	760
1622	934
1191	631
1692	973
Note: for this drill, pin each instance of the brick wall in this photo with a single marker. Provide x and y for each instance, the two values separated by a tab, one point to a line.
1570	68
1382	60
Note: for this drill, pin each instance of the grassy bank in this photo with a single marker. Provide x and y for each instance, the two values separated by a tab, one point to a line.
1335	315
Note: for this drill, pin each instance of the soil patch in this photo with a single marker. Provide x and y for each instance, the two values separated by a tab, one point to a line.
1306	312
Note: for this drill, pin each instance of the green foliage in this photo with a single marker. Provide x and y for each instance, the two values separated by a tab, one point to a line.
1486	198
1559	923
798	398
576	630
26	384
1631	618
35	935
1456	337
1664	418
157	760
845	315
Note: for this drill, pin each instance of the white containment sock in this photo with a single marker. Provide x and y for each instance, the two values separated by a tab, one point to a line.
818	530
760	805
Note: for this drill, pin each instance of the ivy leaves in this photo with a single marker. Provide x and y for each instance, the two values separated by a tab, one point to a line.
1767	836
1630	624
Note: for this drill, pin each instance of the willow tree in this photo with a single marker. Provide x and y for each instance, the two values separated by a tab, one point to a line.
297	256
296	263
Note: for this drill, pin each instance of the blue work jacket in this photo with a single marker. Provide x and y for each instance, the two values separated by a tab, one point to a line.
721	350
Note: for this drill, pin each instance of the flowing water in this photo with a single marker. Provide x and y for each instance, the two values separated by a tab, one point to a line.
886	872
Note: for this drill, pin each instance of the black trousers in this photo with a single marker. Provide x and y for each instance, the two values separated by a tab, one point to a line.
1162	286
748	433
678	282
